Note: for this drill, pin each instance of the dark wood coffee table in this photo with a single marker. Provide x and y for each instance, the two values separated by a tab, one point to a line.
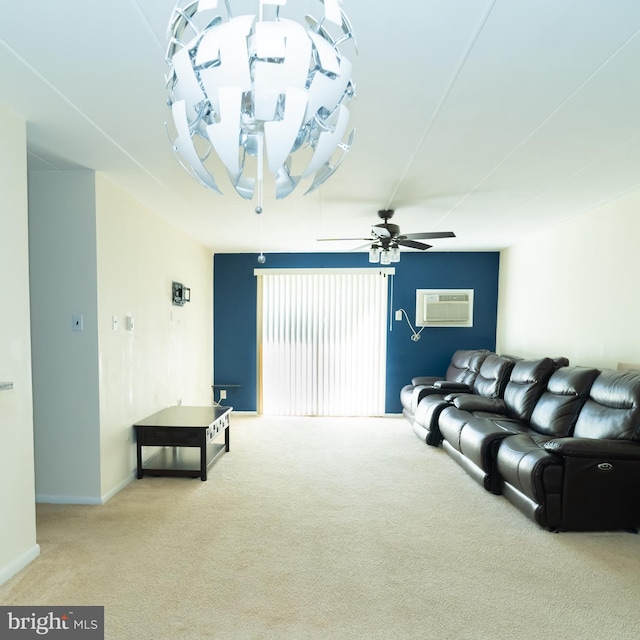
186	435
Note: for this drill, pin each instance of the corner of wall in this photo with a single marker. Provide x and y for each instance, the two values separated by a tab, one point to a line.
17	487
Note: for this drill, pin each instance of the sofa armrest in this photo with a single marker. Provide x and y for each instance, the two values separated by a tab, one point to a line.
599	483
422	391
472	402
594	448
448	385
424	380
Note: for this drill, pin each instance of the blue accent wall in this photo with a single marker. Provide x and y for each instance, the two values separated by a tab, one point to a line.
234	324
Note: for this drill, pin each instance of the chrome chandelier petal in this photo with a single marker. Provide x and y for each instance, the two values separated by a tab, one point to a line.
248	87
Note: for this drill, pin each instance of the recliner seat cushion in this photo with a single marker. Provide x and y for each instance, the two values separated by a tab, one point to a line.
426	406
479	437
522	463
451	424
532	479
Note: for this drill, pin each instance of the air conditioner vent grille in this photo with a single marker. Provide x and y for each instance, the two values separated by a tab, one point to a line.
444	308
453	297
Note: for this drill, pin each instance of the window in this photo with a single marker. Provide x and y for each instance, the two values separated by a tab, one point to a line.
322	341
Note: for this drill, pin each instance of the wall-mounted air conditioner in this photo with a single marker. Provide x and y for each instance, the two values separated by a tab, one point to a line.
444	307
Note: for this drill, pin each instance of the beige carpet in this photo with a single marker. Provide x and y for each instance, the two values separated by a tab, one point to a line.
329	529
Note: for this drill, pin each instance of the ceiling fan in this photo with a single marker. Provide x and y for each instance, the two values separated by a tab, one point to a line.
386	237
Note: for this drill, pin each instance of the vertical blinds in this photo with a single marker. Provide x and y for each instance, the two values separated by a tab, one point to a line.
323	342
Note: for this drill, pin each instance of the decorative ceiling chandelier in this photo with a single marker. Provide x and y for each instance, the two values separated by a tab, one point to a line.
260	92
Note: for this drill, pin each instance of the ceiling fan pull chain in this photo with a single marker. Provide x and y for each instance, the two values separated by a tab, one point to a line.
260	153
259	173
262	258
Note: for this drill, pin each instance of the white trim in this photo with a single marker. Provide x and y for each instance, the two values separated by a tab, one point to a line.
119	487
8	571
259	297
387	271
323	351
58	499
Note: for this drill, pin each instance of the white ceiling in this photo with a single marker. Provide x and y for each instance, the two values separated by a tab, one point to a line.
489	118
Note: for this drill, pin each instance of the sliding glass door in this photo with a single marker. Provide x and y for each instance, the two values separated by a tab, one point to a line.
322	341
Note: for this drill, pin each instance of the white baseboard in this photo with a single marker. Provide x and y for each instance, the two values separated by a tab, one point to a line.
19	564
59	499
119	487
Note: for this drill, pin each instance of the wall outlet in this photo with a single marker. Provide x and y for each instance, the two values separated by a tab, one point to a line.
399	314
223	394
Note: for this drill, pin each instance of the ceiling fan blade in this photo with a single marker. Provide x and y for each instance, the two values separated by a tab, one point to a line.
340	239
413	244
429	235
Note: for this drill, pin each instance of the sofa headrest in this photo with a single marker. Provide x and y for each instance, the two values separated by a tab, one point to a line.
557	410
526	384
617	389
561	361
461	358
493	376
612	410
465	364
572	381
532	371
477	359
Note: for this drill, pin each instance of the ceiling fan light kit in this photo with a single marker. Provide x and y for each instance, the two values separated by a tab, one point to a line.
384	255
256	90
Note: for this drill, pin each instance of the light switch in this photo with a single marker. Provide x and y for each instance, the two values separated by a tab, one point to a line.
77	322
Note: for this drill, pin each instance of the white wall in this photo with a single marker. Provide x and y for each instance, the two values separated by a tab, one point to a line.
17	490
98	252
62	248
572	289
168	357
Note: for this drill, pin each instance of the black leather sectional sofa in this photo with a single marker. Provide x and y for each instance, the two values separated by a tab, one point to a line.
560	442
